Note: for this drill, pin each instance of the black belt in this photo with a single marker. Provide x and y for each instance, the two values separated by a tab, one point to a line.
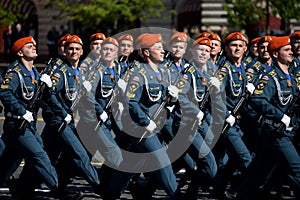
271	122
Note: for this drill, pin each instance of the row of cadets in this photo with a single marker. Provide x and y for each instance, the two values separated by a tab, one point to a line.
17	90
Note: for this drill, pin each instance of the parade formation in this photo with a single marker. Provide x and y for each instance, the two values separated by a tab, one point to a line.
152	104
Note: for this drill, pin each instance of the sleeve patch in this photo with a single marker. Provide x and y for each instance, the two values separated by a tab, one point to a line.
260	87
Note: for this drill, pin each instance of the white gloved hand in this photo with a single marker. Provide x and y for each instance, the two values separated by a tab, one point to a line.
250	87
28	116
151	127
200	116
104	116
230	120
215	82
122	85
286	120
46	79
68	118
173	92
120	107
87	85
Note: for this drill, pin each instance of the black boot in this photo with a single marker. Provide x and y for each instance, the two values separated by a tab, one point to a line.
61	194
18	190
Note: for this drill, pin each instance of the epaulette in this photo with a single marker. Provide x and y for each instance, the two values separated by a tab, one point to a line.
191	69
272	73
167	64
88	60
63	69
16	69
249	59
142	71
58	62
137	64
227	65
257	65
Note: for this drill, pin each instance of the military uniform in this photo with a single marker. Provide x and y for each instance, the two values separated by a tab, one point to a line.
271	98
17	90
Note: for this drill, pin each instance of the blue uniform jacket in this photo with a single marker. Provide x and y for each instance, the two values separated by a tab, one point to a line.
17	89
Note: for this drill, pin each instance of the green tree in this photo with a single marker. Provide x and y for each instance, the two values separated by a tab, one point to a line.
244	12
92	13
9	13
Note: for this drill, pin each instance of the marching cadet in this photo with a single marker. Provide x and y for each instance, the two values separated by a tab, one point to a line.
216	48
202	82
234	84
60	134
272	98
249	121
92	60
252	52
145	91
126	48
17	90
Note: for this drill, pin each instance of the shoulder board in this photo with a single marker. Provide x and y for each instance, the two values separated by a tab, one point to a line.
167	64
63	69
137	63
257	64
142	71
227	65
16	69
59	62
191	69
249	59
272	73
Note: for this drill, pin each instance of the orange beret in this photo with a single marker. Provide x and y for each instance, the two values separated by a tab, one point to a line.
20	43
295	35
148	40
63	39
278	42
255	40
97	36
203	34
235	36
73	39
202	41
214	36
179	37
110	40
266	38
126	37
139	38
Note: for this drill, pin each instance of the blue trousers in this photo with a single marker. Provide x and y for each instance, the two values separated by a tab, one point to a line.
275	150
29	146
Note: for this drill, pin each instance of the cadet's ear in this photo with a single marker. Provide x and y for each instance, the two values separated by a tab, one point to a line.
20	53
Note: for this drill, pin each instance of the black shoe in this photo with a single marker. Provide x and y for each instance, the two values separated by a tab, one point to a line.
64	195
19	191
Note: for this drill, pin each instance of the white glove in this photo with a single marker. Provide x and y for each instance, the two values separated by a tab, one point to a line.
286	120
104	116
122	85
250	87
28	116
87	85
173	92
46	79
214	81
120	107
68	118
150	128
200	116
230	120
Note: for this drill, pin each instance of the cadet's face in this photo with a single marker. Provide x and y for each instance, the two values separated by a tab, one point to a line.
126	47
254	49
201	53
156	53
178	49
263	50
73	52
109	52
29	51
215	47
61	50
285	55
235	49
96	46
296	47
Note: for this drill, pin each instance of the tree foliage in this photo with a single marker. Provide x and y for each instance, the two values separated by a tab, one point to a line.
91	13
9	13
241	12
